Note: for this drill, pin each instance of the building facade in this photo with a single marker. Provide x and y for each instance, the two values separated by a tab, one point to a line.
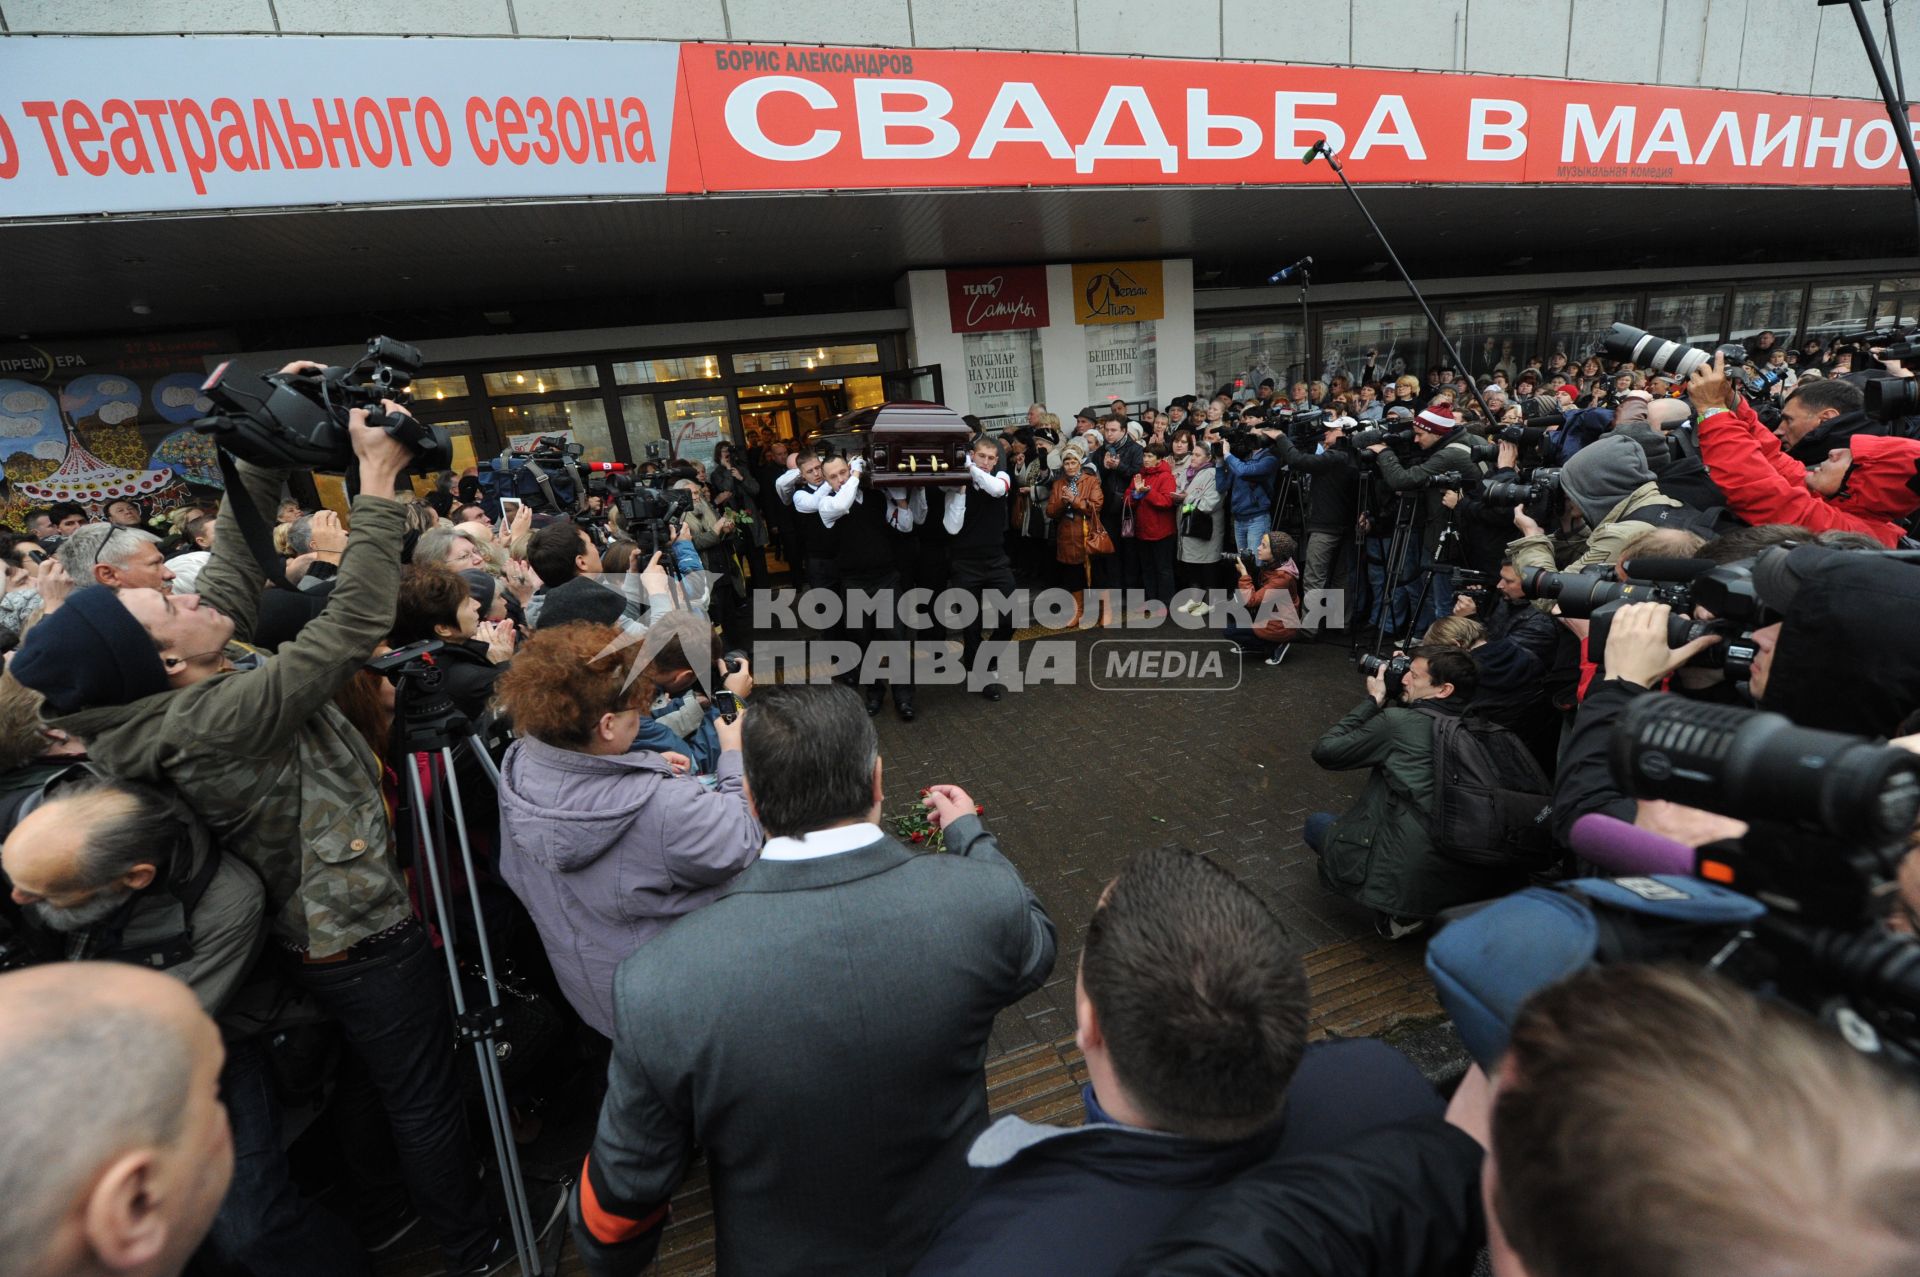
645	223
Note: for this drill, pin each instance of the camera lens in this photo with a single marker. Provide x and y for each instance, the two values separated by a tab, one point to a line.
1890	397
1759	766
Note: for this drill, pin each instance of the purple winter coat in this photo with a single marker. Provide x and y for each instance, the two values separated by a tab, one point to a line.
606	850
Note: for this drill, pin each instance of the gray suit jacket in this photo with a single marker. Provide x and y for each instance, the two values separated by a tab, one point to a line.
821	1033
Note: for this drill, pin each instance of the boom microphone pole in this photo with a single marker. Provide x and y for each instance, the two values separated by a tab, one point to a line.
1321	151
1896	107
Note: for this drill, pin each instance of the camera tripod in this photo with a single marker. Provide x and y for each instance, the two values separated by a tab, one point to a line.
1400	546
427	727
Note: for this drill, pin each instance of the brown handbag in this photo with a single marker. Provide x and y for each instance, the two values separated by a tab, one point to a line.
1098	542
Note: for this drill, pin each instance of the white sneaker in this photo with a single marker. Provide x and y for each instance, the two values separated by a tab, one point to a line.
1188	606
1198	609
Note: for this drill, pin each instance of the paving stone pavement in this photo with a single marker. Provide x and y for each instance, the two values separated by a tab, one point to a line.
1074	779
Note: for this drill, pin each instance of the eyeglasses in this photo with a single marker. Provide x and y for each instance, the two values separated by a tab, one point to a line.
112	531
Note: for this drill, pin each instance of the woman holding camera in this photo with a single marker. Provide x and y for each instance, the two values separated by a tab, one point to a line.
603	846
1276	590
1074	507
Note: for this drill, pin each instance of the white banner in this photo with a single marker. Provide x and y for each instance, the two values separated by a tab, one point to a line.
999	373
1120	362
134	123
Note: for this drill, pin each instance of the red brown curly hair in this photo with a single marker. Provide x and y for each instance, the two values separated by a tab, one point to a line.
556	690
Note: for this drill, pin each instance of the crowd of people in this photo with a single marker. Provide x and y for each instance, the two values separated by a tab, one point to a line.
208	770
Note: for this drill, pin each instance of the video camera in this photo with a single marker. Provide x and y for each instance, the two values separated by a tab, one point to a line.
649	505
1304	427
1891	398
1478	586
1379	432
1790	908
298	421
546	473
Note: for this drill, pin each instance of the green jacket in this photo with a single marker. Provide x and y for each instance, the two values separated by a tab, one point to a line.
1380	853
264	756
1609	537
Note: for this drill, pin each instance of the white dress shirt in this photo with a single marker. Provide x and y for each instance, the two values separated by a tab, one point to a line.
994	483
821	842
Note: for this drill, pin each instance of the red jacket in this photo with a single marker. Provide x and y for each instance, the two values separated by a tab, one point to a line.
1153	508
1764	485
1285	579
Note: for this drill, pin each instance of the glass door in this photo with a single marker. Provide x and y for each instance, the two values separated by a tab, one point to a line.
696	424
921	385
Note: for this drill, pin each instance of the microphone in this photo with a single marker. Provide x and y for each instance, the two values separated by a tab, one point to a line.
1651	568
1286	273
1314	152
614	466
1624	849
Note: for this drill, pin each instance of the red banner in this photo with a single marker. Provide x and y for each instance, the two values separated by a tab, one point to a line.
777	118
994	301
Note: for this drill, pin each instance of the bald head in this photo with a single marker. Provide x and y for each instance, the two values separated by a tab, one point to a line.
1665	414
74	860
118	1150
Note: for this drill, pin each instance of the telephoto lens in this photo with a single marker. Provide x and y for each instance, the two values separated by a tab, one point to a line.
1757	766
1657	354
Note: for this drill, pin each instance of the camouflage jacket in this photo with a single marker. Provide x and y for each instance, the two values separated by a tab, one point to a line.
264	756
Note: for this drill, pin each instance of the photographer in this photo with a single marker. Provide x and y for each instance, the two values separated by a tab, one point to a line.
604	846
1637	661
1250	473
1333	507
1444	463
1381	853
164	690
1610	485
1821	414
1871	487
1276	589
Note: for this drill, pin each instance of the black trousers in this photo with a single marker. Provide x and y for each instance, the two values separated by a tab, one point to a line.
976	576
867	631
392	1005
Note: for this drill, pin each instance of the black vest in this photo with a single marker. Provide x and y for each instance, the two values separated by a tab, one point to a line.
862	540
983	530
810	531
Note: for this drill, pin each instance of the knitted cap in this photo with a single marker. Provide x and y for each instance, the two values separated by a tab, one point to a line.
89	652
1438	419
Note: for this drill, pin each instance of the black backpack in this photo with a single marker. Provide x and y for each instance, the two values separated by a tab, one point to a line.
1492	805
